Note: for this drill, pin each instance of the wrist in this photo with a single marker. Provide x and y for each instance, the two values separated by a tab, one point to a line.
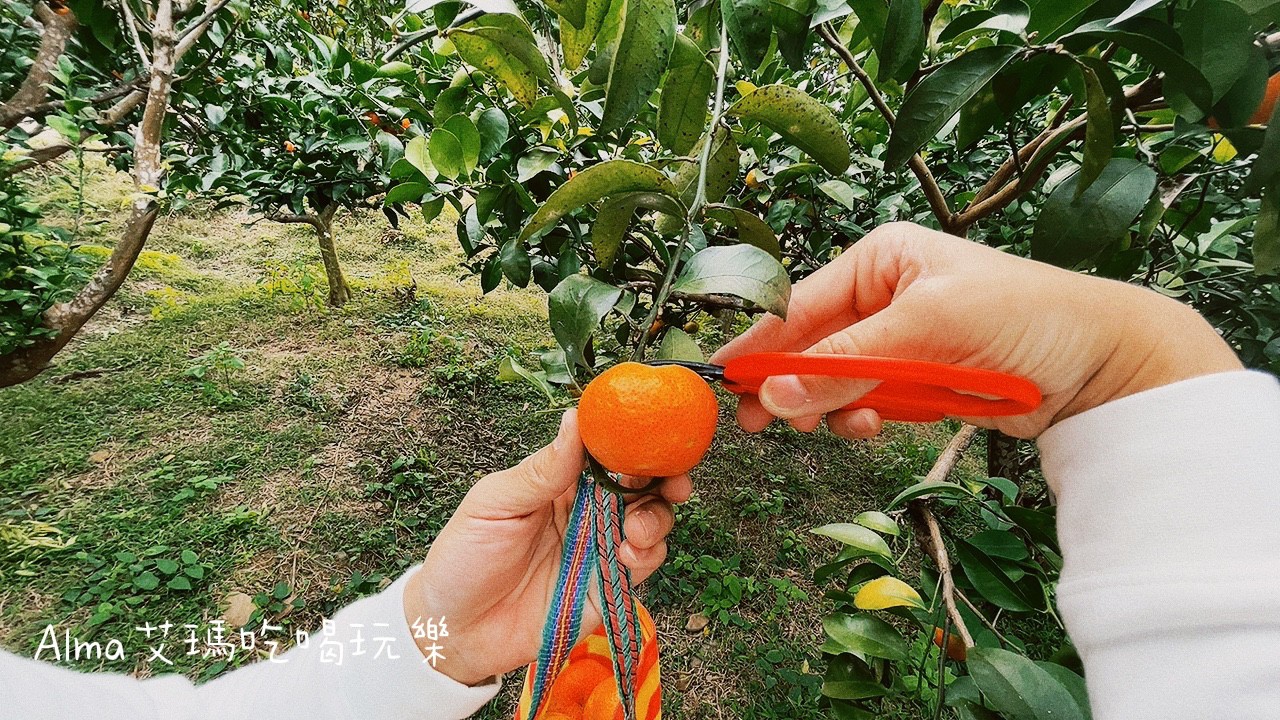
418	610
1157	341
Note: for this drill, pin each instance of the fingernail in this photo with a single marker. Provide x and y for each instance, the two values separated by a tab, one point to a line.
785	393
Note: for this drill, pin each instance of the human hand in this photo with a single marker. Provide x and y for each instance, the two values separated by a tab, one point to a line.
492	571
908	292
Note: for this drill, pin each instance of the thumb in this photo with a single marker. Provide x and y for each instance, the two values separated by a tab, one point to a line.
801	396
537	481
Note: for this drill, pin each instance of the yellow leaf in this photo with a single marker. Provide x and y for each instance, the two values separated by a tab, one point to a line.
745	87
887	592
1223	151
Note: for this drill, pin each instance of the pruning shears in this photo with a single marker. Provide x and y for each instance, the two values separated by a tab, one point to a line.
909	390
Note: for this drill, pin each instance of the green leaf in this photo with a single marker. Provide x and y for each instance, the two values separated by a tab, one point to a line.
432	208
722	173
939	96
991	580
1100	125
575	307
930	488
749	24
147	581
743	271
575	11
1266	233
679	345
855	536
791	21
494	129
844	193
398	70
596	182
1018	688
751	229
535	161
1073	683
188	557
577	41
194	571
510	370
1009	16
445	151
516	264
615	216
418	154
1218	41
848	677
1050	18
1267	164
1137	8
866	634
503	46
406	192
166	566
903	41
682	104
801	121
644	45
877	521
468	139
178	583
1151	40
1070	229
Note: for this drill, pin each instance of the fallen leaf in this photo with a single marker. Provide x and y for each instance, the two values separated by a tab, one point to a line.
239	608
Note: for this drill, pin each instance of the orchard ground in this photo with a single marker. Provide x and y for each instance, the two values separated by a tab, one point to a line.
217	417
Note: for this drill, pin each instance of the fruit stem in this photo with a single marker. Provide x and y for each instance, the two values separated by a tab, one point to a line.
601	476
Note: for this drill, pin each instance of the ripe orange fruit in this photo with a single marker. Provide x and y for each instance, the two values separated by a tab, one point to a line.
289	146
1263	113
956	649
405	123
647	421
603	703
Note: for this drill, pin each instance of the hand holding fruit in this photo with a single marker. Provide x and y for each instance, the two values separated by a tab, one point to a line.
493	569
908	292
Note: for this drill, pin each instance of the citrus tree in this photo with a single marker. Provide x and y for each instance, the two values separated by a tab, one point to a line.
80	77
290	121
651	163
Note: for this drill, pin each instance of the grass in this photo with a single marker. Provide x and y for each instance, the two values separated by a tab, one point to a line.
216	430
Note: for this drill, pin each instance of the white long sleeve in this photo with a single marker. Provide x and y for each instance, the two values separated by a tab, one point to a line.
302	686
1169	521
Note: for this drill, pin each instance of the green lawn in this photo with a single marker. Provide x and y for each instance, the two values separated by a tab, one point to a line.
327	463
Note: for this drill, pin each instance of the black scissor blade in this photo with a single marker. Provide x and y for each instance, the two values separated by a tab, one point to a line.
708	371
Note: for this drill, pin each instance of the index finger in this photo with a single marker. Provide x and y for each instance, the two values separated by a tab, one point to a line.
860	282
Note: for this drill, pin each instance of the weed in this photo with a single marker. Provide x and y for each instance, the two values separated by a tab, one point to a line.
215	369
298	282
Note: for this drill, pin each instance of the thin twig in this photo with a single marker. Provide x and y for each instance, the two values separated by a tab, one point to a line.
932	192
983	618
930	533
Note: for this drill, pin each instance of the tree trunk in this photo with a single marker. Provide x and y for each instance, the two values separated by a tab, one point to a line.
58	27
339	290
67	318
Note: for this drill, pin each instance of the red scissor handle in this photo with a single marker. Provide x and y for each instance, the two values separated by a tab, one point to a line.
909	390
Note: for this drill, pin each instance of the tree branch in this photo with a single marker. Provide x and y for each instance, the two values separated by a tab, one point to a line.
932	192
929	532
58	28
423	35
1035	157
67	318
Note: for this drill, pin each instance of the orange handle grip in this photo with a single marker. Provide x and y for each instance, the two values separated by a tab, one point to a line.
909	390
